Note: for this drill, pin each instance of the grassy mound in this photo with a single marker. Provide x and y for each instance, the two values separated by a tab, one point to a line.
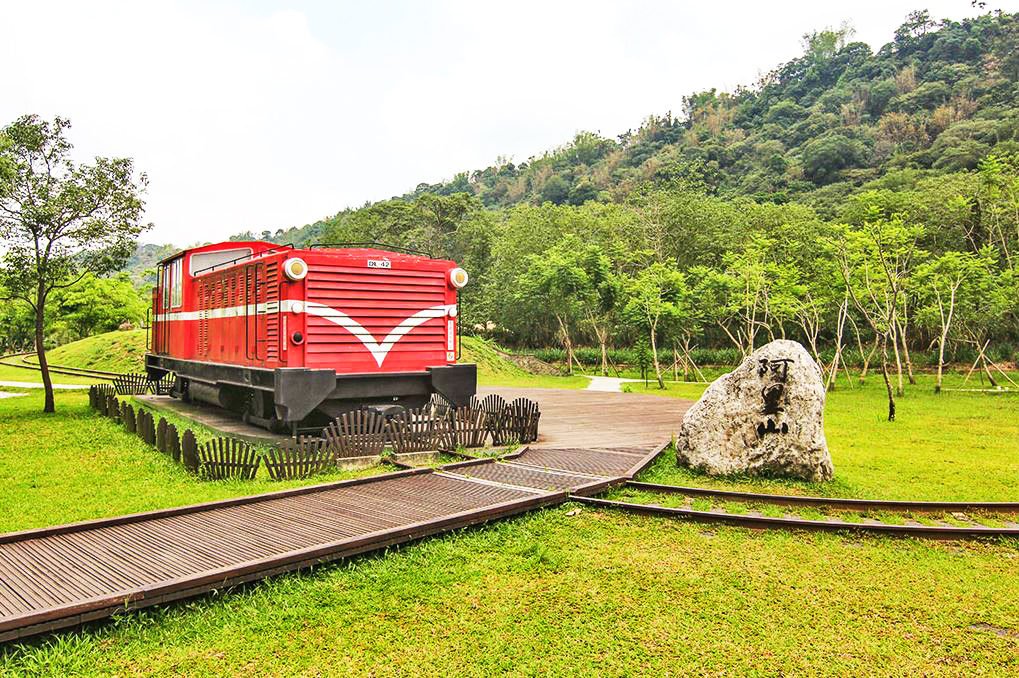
488	359
112	351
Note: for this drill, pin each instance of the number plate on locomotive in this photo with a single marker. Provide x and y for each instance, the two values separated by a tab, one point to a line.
379	263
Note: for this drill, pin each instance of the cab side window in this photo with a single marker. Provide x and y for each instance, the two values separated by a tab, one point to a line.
176	282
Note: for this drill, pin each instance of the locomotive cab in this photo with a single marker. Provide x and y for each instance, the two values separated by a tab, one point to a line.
291	338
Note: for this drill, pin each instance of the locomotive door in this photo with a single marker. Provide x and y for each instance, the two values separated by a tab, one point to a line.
164	299
261	313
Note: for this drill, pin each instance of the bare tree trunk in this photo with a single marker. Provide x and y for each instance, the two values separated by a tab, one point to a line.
900	387
866	360
905	352
40	349
840	327
941	360
654	356
604	356
888	383
567	344
675	364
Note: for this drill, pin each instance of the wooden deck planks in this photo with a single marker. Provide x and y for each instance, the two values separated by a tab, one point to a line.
49	578
66	575
575	418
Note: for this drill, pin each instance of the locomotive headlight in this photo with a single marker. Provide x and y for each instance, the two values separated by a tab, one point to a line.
295	268
458	277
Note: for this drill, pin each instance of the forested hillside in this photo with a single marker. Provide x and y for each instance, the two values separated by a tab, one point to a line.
939	97
863	202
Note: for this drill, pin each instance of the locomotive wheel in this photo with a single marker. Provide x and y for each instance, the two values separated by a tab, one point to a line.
259	410
180	390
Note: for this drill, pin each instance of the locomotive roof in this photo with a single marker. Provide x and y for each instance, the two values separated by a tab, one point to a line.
255	245
260	246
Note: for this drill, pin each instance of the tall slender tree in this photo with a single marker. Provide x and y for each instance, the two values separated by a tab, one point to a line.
60	220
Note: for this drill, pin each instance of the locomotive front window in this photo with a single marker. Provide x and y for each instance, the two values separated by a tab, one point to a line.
203	262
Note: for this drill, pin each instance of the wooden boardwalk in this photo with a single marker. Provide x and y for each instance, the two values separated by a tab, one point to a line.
599	419
62	576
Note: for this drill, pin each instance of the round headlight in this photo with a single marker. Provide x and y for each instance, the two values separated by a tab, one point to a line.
458	277
295	268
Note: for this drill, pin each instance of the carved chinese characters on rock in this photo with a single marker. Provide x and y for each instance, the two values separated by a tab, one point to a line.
774	373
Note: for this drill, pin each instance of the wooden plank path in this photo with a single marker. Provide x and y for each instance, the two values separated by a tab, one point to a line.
600	419
62	576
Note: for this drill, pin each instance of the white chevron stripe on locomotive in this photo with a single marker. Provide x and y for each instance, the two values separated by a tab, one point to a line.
378	349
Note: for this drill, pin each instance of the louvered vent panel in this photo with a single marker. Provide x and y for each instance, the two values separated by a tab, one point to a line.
272	316
378	300
204	294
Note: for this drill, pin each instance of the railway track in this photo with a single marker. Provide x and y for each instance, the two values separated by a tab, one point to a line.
959	523
21	360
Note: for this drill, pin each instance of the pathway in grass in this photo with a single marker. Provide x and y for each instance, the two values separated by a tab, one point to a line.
39	384
609	384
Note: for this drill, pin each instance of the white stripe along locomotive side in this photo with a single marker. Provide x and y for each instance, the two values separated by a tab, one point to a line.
378	349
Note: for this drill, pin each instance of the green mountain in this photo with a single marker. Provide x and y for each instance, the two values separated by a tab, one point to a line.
938	98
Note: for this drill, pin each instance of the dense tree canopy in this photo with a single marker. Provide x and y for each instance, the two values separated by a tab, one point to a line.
863	202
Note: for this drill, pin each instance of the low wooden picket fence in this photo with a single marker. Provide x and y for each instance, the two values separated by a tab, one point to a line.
361	433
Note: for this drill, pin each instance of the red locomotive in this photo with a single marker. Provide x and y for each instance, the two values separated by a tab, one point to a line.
293	337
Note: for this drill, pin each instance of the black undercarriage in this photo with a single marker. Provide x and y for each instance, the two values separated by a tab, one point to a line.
300	398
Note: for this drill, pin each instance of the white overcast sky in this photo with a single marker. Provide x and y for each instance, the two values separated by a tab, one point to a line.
254	115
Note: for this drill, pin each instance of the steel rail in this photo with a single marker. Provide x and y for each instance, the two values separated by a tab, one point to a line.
763	522
87	371
833	502
56	369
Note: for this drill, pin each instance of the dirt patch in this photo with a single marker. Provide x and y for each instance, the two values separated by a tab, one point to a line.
530	363
996	630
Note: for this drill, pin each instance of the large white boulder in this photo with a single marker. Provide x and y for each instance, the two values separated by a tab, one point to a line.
765	418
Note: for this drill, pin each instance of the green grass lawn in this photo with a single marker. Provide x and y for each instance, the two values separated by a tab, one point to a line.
76	465
598	592
953	446
590	594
